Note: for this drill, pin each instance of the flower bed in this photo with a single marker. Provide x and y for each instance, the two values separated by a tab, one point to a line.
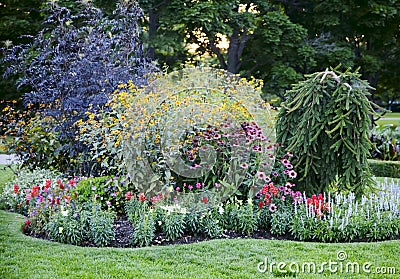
53	211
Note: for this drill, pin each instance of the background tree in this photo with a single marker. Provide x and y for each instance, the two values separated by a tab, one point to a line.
243	37
73	64
369	29
17	18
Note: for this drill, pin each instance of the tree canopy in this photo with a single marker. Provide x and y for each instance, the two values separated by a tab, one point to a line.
277	40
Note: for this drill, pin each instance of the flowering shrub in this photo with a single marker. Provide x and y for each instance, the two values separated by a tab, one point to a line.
13	196
108	192
196	135
103	128
41	202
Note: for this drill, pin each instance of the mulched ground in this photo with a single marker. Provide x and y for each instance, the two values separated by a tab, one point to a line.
124	229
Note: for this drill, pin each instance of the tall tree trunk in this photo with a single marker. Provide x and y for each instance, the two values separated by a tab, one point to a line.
153	25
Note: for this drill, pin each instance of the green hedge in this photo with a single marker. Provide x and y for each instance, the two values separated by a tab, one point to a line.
385	168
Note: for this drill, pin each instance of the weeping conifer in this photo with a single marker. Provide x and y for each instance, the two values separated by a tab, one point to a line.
325	123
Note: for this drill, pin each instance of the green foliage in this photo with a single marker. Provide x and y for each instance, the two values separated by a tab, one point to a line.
173	224
325	123
386	141
101	227
108	192
135	209
280	221
65	229
385	168
84	223
210	225
247	221
144	229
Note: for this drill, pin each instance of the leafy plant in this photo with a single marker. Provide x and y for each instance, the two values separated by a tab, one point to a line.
135	208
247	221
210	225
386	141
280	222
86	222
101	227
108	191
144	230
173	224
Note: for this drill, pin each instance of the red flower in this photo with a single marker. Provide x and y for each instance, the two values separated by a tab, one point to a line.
16	189
60	184
260	205
142	197
48	183
72	182
128	195
35	191
204	200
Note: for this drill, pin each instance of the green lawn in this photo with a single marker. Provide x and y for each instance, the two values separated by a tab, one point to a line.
392	121
25	257
5	174
392	115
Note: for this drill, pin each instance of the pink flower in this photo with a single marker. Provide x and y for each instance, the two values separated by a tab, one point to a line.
261	175
292	174
128	195
285	162
272	207
244	166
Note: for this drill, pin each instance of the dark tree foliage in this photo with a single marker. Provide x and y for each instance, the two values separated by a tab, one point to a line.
17	18
75	62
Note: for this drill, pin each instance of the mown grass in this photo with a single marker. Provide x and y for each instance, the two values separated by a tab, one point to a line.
25	257
6	173
394	119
